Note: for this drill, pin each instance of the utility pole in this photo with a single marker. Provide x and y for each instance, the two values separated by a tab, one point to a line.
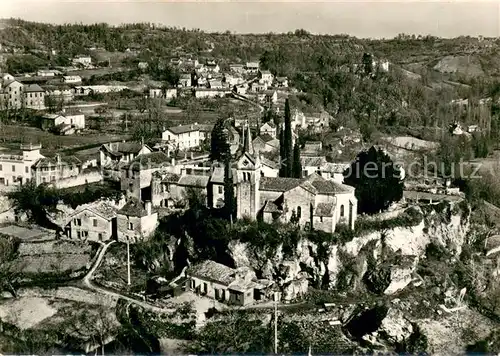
276	323
128	261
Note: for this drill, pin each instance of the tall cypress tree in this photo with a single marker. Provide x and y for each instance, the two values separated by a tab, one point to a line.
282	171
297	166
229	200
288	149
219	146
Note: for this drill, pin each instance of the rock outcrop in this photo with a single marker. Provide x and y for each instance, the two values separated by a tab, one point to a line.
328	265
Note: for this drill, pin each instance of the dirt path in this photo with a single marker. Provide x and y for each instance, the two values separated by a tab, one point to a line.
88	277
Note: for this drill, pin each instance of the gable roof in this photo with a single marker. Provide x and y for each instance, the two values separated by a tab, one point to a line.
279	184
177	130
191	180
269	124
101	208
328	187
150	160
124	147
308	161
133	208
53	161
269	163
212	271
33	88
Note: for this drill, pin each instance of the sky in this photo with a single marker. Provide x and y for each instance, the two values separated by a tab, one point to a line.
368	19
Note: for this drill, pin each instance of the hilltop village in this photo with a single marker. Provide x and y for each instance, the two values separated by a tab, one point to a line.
174	191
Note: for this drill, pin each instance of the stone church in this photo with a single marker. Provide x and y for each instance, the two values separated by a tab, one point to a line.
312	202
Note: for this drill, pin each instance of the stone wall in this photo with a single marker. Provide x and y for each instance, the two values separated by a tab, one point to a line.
81	179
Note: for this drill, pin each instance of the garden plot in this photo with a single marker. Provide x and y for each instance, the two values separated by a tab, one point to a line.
411	143
25	313
27	234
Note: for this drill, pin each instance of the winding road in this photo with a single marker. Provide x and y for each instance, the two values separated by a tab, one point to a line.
87	281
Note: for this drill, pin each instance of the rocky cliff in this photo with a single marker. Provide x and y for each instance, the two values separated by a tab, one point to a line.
384	260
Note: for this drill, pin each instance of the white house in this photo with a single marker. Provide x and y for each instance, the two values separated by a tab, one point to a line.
269	129
252	67
265	76
183	136
72	79
83	60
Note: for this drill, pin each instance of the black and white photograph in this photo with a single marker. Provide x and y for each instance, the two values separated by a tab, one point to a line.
226	177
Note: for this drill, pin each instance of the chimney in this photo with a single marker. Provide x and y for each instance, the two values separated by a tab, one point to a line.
147	206
191	155
173	161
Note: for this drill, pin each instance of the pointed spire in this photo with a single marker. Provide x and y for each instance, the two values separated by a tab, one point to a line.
247	143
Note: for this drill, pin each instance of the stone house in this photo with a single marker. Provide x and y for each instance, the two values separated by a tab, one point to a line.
169	188
237	68
55	169
68	79
92	222
135	221
312	164
137	175
266	143
34	97
232	286
114	155
72	119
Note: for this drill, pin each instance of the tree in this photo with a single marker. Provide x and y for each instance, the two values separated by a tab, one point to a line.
219	146
37	202
235	334
229	200
367	64
376	180
288	140
282	168
297	167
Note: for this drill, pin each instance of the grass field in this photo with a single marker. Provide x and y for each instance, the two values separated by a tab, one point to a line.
12	136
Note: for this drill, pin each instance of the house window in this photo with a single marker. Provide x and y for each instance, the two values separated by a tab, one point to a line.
78	222
13	168
342	211
95	223
79	234
85	233
52	178
1	167
299	212
321	219
130	226
99	235
131	186
26	169
220	189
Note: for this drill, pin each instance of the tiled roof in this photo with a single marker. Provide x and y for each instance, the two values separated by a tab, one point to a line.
123	147
279	184
269	163
324	209
171	178
324	186
33	88
218	175
212	271
52	161
270	124
184	128
150	160
189	180
133	208
310	161
101	208
335	167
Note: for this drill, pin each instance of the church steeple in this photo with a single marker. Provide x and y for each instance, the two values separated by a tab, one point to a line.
247	141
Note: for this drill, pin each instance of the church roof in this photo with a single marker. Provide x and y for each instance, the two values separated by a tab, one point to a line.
279	184
324	186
